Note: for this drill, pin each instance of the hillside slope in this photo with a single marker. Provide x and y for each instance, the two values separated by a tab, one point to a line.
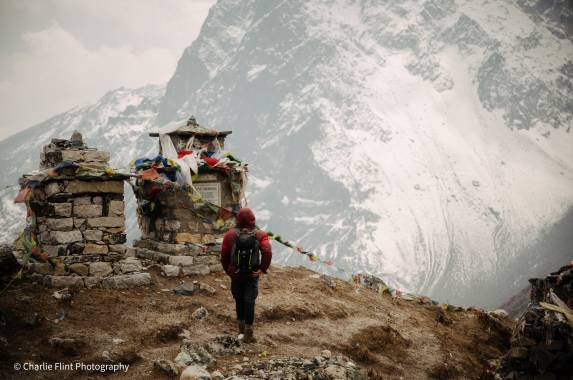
299	314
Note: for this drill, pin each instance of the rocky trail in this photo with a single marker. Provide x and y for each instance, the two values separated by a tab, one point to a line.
307	324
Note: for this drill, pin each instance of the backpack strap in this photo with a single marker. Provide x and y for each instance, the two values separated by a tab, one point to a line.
234	249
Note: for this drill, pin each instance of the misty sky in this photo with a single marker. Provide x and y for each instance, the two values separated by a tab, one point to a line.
56	54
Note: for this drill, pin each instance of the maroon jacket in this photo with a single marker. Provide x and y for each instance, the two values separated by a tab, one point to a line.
245	220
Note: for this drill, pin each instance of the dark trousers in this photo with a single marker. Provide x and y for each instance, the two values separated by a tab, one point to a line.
245	291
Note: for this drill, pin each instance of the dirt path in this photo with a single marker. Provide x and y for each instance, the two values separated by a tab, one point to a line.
298	314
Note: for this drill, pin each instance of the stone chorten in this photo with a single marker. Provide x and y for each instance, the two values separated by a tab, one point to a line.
185	211
75	233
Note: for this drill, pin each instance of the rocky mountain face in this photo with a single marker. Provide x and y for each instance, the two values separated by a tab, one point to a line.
428	143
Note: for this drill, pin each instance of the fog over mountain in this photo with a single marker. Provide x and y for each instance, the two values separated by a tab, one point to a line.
428	143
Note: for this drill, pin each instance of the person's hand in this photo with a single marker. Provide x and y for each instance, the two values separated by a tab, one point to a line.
257	273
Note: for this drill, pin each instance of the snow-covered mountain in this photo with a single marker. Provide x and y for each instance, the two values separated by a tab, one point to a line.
426	142
116	123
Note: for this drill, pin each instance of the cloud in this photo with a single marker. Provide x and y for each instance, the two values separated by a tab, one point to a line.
134	44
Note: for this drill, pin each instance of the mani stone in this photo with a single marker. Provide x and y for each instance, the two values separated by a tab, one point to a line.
116	208
66	237
79	187
63	224
88	211
62	209
196	270
82	155
64	281
126	281
100	269
93	235
96	249
181	260
171	270
106	221
207	260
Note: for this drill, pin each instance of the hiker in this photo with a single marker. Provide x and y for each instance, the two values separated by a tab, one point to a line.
245	255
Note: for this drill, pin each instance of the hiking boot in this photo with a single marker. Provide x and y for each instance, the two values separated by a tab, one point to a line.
249	337
241	327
